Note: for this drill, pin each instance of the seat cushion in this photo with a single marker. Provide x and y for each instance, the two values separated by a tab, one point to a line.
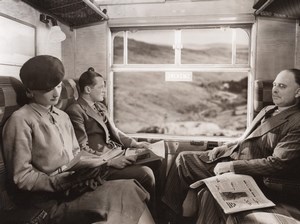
12	97
281	213
5	202
262	94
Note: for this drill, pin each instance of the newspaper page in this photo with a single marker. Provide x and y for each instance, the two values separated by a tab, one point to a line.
156	152
235	192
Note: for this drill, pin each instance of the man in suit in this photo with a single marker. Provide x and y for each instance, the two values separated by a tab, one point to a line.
270	147
96	133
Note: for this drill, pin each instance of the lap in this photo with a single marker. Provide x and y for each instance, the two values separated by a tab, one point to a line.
130	172
119	201
193	167
209	210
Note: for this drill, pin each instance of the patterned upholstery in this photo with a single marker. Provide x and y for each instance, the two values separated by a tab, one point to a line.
69	94
262	94
12	96
282	213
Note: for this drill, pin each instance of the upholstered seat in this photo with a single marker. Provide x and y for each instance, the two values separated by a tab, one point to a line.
12	97
282	213
68	95
262	94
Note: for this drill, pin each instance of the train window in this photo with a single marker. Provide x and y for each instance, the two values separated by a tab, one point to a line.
214	46
145	103
118	48
185	46
139	53
180	82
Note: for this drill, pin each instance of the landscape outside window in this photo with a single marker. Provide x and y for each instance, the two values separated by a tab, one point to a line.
214	103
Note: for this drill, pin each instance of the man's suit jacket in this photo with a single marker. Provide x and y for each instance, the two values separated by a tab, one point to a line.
269	148
91	130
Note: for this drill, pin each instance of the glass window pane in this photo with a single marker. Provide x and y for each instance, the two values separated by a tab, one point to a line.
118	48
242	48
213	46
144	102
150	47
206	46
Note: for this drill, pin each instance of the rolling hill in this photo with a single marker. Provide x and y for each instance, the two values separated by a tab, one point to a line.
214	104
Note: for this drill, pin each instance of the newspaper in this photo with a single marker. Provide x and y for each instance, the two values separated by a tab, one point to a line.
156	152
235	192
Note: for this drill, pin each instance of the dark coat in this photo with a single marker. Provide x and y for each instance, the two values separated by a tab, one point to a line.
268	148
91	130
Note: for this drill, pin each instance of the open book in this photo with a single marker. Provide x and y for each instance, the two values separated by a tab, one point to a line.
87	160
156	152
235	192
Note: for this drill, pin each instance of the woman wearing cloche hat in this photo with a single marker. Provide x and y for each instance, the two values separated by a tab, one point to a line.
39	141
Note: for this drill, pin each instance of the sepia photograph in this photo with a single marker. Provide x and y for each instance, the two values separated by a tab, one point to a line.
149	111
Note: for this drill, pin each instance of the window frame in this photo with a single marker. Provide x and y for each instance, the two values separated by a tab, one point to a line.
12	63
239	22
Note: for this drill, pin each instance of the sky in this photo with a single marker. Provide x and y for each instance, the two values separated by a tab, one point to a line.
193	37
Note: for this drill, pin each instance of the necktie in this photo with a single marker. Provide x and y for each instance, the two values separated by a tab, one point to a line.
100	111
270	113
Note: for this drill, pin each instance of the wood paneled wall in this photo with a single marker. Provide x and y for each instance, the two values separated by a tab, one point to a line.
86	47
275	46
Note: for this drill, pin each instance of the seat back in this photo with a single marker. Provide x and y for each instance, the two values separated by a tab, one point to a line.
69	94
262	94
12	97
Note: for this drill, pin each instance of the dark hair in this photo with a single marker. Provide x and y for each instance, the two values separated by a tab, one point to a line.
88	78
296	73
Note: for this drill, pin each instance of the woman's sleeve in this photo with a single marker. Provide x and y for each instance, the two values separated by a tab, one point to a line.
17	146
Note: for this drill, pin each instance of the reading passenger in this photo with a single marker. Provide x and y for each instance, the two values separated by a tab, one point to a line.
270	147
96	133
39	139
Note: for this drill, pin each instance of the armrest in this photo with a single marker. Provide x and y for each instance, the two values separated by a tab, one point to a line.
283	186
24	216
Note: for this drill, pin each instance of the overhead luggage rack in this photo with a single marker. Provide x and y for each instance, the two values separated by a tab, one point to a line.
72	13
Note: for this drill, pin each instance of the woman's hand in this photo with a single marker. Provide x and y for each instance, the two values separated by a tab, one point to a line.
121	161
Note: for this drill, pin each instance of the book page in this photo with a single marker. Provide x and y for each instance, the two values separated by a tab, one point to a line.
87	160
156	152
158	148
235	192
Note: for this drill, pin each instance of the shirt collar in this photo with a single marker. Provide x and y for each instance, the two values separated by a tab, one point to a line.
42	110
280	109
89	102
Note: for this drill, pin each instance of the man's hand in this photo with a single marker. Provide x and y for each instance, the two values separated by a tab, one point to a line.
217	151
103	149
223	167
121	161
145	145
